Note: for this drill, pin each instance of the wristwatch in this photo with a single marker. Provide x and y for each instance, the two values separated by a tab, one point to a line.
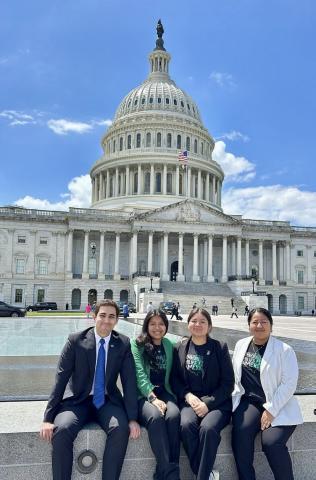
151	397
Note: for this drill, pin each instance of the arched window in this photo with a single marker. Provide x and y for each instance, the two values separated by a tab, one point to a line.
169	182
108	294
167	100
159	99
169	139
138	139
158	139
178	141
175	102
114	145
188	143
76	299
195	146
135	182
180	184
124	296
182	104
147	183
158	182
121	143
151	100
143	100
129	141
148	139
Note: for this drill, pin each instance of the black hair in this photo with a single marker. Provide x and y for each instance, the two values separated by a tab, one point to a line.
264	312
203	312
144	339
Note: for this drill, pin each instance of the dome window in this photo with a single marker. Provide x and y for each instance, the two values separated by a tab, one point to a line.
121	144
182	104
188	143
129	142
138	140
148	139
202	148
135	101
169	183
114	145
193	109
195	146
158	182
169	139
143	100
179	141
159	99
167	101
135	183
158	139
151	100
175	102
188	105
129	104
147	182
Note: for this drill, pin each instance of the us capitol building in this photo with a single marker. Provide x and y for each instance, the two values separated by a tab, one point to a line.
154	225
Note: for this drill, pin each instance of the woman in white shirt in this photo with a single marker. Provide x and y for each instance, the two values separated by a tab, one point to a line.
266	374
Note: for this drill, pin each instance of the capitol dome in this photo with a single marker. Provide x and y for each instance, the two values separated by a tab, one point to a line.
153	124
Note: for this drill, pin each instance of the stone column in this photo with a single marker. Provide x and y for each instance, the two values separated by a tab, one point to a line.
238	257
164	180
224	260
150	252
309	265
152	179
210	277
214	188
180	277
93	190
69	253
139	179
107	183
195	277
274	263
219	192
288	262
117	275
85	273
101	194
199	185
116	182
205	259
261	279
101	258
165	274
233	257
126	180
134	252
189	182
247	257
207	187
177	179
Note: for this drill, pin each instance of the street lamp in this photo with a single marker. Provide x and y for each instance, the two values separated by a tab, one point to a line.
151	284
253	284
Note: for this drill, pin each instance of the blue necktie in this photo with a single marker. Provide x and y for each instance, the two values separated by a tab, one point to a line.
99	380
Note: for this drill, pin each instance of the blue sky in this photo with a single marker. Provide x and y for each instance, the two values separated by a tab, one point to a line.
250	65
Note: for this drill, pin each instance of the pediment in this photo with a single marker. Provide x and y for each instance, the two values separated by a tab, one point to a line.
187	211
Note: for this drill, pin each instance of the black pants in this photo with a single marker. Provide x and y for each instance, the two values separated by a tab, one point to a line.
201	438
246	425
71	419
163	434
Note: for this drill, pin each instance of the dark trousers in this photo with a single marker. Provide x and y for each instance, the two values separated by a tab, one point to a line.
71	419
246	425
201	438
163	434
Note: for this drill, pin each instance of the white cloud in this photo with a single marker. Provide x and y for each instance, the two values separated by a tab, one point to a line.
234	135
273	202
222	79
17	117
63	126
237	169
78	195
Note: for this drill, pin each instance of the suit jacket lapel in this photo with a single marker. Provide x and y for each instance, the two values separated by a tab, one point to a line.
267	354
89	343
112	352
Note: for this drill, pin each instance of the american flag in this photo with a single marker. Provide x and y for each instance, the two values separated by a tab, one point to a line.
183	157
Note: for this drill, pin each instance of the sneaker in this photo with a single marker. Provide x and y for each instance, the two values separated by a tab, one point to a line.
214	475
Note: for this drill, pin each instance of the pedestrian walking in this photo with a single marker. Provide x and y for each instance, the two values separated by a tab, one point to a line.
234	312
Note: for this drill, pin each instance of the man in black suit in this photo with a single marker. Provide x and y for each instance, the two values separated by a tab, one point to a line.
89	366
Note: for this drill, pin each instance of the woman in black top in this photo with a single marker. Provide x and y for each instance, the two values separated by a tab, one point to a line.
203	380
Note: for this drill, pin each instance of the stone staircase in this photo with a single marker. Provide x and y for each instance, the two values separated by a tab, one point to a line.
214	293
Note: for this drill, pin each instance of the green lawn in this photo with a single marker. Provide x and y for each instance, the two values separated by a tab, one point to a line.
56	313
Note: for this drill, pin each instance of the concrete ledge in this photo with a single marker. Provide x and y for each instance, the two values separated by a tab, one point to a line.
23	456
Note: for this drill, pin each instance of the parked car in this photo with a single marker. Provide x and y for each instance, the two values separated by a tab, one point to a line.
132	307
42	306
11	311
166	307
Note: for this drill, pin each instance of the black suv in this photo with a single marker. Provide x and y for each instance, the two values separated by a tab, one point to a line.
167	307
42	306
11	311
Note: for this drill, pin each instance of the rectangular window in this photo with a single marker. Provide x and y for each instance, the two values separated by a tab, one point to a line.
18	295
314	253
300	276
43	240
299	253
40	295
42	267
21	239
20	265
300	303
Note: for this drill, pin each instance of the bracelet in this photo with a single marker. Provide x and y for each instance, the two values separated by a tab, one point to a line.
151	397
